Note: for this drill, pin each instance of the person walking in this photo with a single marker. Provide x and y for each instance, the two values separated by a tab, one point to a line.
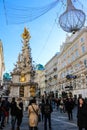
82	114
19	112
7	107
61	106
13	108
47	114
69	105
1	113
33	111
42	109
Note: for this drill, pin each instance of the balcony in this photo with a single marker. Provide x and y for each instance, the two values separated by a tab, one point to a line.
45	81
55	69
55	76
50	78
69	88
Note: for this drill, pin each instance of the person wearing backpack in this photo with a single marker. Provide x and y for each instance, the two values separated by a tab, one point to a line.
47	114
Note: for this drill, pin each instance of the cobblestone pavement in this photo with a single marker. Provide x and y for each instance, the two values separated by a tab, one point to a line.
59	122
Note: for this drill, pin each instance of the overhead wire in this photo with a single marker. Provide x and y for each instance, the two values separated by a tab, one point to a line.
51	31
62	6
49	34
82	5
44	46
83	8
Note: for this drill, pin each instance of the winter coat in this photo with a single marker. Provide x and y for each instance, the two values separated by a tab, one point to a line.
33	118
19	110
47	110
13	107
42	108
69	105
82	116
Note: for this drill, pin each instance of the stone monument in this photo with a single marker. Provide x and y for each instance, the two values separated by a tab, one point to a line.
23	84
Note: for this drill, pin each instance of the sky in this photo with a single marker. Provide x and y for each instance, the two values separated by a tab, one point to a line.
46	34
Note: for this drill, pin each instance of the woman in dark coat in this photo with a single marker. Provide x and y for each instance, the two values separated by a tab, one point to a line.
82	114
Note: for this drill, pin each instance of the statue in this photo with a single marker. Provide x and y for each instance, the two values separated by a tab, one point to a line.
26	35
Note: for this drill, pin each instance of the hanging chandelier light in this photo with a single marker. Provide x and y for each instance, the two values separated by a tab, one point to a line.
72	19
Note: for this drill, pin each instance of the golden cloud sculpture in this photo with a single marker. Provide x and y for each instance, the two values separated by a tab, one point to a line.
26	34
32	91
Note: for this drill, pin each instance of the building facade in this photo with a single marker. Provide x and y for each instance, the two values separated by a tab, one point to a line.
69	67
2	65
2	68
72	65
51	75
40	79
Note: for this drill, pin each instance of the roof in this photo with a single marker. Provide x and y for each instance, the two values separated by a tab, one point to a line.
39	67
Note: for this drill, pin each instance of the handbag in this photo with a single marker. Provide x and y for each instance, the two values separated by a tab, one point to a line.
39	116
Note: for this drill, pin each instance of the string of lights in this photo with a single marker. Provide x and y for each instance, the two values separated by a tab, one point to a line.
18	15
15	14
48	36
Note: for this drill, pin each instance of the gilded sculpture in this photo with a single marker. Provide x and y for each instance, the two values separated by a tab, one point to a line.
26	34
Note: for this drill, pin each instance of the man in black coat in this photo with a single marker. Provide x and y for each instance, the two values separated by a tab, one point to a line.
42	108
19	113
0	112
69	105
47	114
13	108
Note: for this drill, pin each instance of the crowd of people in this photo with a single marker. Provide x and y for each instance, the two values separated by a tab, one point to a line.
46	107
66	105
35	110
14	109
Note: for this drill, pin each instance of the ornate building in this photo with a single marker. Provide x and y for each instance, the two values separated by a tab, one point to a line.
23	84
2	68
51	76
40	79
2	65
69	67
72	64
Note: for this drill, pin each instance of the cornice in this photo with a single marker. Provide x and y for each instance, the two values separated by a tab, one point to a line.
74	62
52	58
72	39
23	84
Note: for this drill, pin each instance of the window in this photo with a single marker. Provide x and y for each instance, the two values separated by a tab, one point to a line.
73	57
69	60
77	53
83	49
72	48
82	39
76	46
